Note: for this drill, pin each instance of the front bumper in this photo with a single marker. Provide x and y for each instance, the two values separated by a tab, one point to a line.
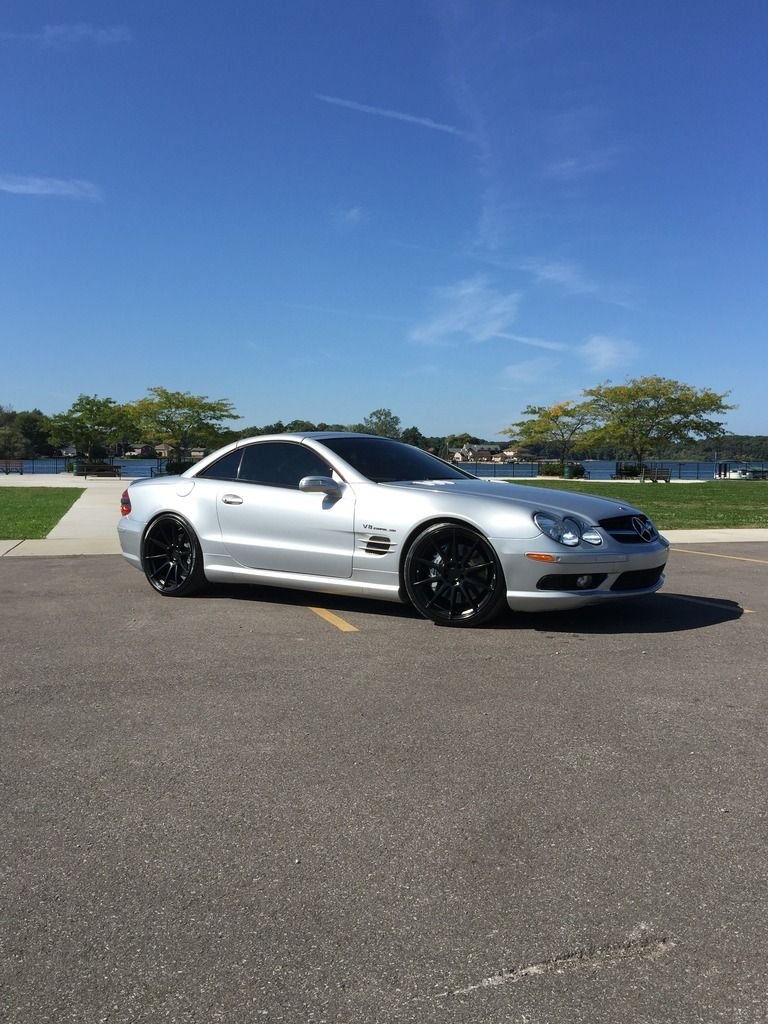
551	578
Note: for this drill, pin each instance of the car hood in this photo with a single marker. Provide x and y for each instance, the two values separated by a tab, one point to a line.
590	507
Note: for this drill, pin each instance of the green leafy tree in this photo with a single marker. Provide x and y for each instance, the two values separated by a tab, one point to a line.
182	420
651	415
463	440
35	428
412	435
562	426
12	443
91	424
268	428
299	426
12	440
437	445
382	422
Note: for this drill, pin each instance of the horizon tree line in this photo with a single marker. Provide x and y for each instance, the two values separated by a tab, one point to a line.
646	417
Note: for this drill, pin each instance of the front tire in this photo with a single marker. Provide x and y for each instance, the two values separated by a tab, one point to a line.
453	577
171	557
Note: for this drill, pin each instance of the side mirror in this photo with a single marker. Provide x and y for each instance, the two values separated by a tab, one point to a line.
320	485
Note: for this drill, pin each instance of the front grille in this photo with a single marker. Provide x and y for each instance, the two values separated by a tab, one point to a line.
638	579
636	529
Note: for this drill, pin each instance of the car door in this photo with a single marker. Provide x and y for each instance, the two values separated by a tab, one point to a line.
268	523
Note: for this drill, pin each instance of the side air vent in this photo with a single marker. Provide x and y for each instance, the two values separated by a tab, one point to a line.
378	545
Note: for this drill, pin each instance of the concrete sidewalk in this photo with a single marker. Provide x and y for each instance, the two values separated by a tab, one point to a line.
90	526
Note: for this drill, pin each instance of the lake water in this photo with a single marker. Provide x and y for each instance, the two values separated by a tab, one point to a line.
130	467
597	469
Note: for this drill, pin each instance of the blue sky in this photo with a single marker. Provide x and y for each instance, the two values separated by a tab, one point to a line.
315	209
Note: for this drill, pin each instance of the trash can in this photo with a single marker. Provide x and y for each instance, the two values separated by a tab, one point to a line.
568	472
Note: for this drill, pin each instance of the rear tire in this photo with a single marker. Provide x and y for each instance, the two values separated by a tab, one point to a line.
453	577
172	558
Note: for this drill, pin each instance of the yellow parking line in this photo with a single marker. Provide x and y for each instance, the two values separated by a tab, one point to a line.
335	620
712	554
712	602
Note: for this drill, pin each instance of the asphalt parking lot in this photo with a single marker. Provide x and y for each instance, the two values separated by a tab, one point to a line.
263	805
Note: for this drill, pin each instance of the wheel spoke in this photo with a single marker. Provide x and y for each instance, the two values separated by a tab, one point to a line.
439	592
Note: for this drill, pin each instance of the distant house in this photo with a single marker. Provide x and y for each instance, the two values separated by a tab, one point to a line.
476	453
164	451
484	453
511	455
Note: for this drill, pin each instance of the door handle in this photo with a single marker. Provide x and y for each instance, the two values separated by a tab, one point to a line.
232	499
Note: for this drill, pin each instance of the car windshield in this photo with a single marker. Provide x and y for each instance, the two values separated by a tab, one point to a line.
384	461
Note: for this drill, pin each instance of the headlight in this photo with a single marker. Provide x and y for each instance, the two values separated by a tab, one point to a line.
567	531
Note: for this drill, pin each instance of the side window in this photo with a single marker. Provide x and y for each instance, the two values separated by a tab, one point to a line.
224	468
280	464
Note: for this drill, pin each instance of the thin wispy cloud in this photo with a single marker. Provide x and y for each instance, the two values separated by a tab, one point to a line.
524	339
584	164
603	353
569	276
72	188
395	115
349	218
492	222
600	354
529	371
573	280
470	310
61	36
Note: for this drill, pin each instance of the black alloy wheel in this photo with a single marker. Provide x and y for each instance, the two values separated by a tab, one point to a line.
453	577
171	557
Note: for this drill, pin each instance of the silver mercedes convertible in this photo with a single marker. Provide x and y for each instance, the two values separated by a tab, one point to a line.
366	516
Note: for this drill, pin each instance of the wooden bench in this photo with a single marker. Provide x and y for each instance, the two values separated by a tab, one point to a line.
12	466
98	469
657	476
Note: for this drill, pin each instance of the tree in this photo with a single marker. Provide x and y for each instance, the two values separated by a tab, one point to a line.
35	427
90	424
300	426
463	440
650	414
412	435
11	438
562	426
182	420
382	422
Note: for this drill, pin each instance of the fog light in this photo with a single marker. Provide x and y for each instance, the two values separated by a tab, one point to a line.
583	582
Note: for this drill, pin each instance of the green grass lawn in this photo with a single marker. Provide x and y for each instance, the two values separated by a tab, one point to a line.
29	513
716	504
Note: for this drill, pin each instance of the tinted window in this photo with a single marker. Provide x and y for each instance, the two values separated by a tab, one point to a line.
382	460
224	468
280	464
